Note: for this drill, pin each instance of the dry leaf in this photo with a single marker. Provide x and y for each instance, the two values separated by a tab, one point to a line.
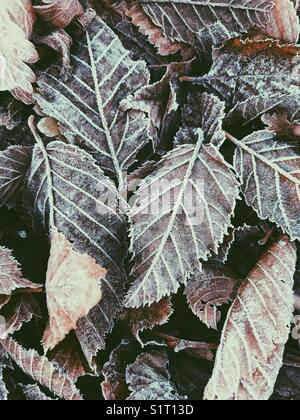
203	23
41	370
161	101
281	125
14	165
70	358
148	317
59	13
33	393
257	328
21	309
16	51
114	386
249	92
178	219
10	274
148	378
66	187
206	112
147	27
88	104
284	24
61	42
262	161
213	286
73	288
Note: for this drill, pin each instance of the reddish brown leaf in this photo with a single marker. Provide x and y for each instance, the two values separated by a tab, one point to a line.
70	358
257	328
148	378
59	13
73	288
10	274
148	317
61	42
21	309
16	23
14	165
41	370
213	286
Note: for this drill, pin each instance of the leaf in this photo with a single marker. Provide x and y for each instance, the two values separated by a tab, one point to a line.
65	186
203	23
73	288
205	111
262	161
33	393
282	126
61	42
178	219
250	93
147	318
88	104
114	386
11	277
22	309
70	358
59	13
16	51
161	101
41	370
284	23
148	378
14	164
11	114
256	330
214	286
154	33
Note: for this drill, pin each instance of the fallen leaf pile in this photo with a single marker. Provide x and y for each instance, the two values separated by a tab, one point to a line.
149	200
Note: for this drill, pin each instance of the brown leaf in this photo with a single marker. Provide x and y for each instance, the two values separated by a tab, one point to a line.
10	274
16	51
33	393
87	105
73	288
114	386
203	23
148	317
138	16
261	160
282	125
257	328
148	378
203	111
67	190
14	165
284	24
172	218
41	370
213	286
21	309
59	13
11	114
249	92
60	42
70	358
161	101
